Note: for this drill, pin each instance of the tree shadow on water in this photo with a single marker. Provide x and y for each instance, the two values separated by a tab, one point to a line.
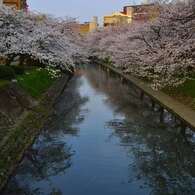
50	157
160	158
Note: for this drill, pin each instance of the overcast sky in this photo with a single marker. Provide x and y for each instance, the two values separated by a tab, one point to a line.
81	9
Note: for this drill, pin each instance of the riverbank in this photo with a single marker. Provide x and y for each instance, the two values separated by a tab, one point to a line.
22	133
184	93
184	113
20	95
107	130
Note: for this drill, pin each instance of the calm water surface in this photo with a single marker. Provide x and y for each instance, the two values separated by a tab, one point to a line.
102	140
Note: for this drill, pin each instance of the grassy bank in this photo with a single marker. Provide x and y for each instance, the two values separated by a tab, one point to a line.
184	93
42	87
23	134
3	83
35	82
19	92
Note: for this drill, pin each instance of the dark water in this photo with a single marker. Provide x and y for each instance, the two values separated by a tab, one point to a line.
102	140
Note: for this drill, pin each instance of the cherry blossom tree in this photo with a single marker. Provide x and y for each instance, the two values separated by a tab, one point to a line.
161	51
39	38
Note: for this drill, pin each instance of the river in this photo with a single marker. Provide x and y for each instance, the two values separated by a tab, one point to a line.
103	140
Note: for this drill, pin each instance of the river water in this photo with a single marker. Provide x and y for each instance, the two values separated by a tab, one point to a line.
103	140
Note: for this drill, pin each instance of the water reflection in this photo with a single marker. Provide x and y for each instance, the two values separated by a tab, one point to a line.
50	155
120	148
161	155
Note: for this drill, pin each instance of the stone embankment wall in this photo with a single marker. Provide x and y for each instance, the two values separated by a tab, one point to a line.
21	121
14	103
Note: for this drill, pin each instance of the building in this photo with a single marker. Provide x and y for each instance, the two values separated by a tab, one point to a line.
132	13
143	12
117	18
17	4
93	25
84	28
89	26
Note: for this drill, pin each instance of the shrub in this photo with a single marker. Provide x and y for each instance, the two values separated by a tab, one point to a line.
18	70
6	73
107	60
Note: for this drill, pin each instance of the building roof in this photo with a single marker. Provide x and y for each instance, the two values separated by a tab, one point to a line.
19	4
141	5
117	14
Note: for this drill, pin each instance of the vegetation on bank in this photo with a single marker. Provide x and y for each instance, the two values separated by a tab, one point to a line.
185	93
23	134
7	73
41	84
35	82
3	83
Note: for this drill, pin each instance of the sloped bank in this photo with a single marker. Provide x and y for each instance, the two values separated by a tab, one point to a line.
182	112
14	103
26	126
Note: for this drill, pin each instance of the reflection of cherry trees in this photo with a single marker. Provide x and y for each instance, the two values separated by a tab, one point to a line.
67	115
26	190
50	155
46	159
161	156
121	98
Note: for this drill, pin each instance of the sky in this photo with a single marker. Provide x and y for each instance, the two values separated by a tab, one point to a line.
83	10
